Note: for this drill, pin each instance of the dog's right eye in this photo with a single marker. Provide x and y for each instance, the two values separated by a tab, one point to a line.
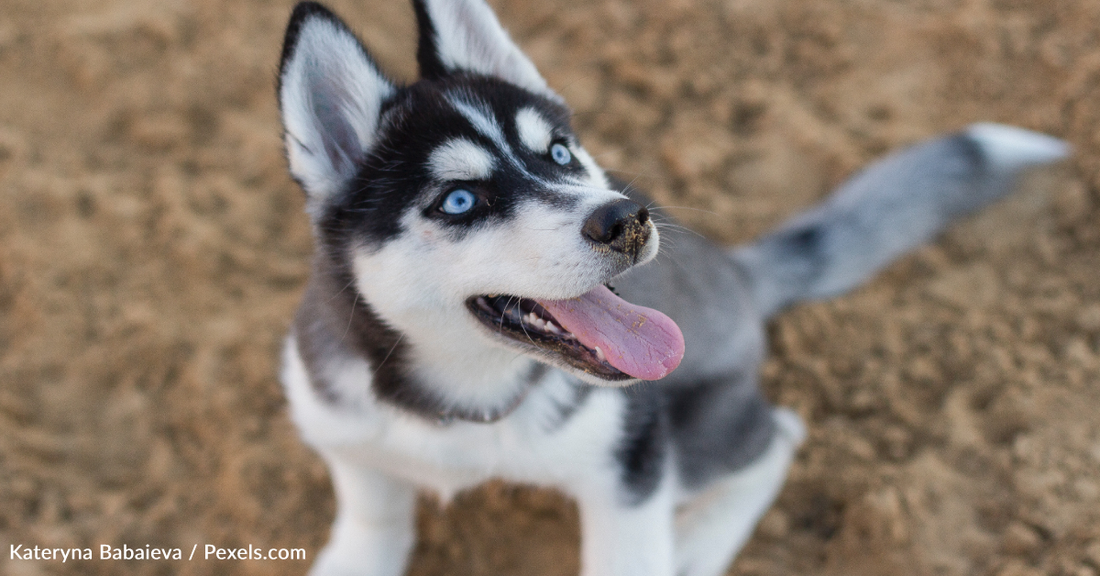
458	201
560	153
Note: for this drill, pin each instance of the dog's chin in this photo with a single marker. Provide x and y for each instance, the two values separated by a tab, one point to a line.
524	325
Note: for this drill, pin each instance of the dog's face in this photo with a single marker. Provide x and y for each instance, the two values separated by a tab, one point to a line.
465	199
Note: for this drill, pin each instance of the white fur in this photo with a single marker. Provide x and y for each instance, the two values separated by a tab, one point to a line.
534	130
634	540
597	177
1011	146
470	38
328	69
448	459
461	159
713	525
417	283
377	453
374	519
480	116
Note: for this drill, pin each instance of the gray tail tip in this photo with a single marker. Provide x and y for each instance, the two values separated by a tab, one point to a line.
1010	147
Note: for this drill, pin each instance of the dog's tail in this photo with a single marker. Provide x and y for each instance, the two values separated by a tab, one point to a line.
891	207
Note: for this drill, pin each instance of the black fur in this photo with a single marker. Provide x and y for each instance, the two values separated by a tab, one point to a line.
718	425
708	417
427	47
340	139
417	119
334	322
643	448
298	17
388	180
393	179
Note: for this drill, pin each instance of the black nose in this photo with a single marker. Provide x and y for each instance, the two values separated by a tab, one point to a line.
621	225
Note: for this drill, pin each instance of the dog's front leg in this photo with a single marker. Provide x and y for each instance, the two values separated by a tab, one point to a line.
621	538
375	526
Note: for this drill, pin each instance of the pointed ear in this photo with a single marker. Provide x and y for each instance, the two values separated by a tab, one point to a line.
330	94
465	35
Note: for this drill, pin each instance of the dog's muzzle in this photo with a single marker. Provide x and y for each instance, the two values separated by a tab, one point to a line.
621	226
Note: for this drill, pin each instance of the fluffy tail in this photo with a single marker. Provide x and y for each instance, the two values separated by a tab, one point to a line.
891	207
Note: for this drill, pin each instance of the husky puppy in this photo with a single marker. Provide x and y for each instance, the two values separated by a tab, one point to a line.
485	302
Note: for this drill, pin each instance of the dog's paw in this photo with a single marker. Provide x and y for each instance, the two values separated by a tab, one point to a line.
357	550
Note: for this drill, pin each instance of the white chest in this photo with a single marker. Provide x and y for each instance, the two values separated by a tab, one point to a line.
548	439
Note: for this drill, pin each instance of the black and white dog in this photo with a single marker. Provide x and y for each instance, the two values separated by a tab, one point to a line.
484	302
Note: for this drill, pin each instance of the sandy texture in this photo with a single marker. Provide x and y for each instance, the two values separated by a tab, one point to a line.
152	250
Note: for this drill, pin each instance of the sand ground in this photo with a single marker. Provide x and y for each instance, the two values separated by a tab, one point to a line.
152	250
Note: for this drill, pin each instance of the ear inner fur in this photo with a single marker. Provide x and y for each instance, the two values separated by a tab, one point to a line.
330	93
465	36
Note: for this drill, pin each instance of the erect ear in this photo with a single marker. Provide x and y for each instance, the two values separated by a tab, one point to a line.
330	94
465	35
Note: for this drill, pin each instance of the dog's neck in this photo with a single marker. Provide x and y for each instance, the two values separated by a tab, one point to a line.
475	380
430	367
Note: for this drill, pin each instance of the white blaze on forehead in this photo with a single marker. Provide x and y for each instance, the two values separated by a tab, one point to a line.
480	116
461	160
534	130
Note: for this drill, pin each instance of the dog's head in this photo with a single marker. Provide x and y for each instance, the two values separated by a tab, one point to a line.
464	200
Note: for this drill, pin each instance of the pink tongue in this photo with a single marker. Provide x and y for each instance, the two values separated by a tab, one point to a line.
638	341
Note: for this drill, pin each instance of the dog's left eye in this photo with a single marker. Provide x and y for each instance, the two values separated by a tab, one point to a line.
560	153
459	201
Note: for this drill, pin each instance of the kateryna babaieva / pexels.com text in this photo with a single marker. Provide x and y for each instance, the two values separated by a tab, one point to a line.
126	552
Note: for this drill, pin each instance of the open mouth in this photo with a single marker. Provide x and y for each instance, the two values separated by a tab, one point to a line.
597	332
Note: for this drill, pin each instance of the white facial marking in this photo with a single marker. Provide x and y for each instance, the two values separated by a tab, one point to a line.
597	177
461	159
534	130
480	117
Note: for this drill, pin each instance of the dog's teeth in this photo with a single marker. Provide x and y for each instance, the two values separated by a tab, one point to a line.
599	354
483	304
552	328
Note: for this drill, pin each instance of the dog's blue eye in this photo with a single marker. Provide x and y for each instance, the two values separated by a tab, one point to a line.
560	154
459	201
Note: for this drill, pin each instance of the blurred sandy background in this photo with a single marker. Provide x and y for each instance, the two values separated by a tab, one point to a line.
152	250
